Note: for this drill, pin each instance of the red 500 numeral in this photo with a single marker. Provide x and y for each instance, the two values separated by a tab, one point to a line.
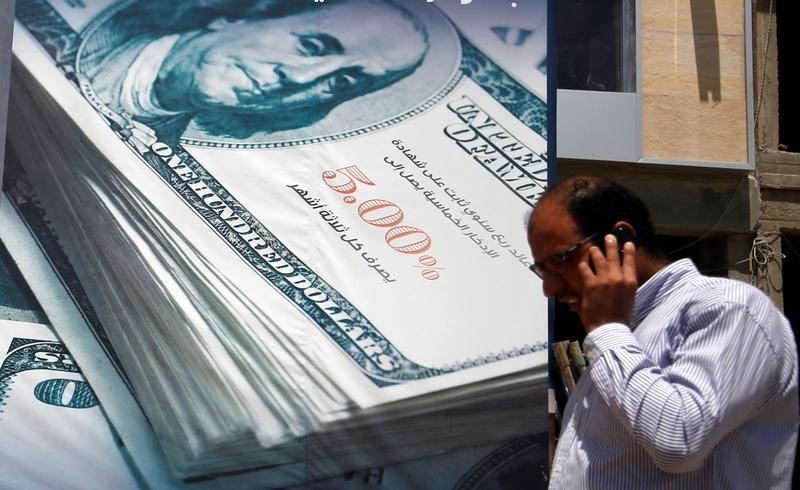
379	212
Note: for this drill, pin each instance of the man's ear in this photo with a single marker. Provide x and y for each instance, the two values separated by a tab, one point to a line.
221	23
625	232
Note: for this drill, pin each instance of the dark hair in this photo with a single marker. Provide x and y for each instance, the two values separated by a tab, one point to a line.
596	204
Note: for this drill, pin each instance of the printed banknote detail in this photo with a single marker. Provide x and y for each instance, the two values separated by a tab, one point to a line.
54	432
27	354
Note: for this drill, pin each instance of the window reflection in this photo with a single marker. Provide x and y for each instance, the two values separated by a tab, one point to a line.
596	45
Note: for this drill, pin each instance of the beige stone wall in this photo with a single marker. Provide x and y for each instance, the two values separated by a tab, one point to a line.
694	80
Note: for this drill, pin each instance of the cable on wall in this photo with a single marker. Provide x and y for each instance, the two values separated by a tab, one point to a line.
716	223
764	68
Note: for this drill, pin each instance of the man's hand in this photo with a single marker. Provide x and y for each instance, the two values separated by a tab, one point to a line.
609	289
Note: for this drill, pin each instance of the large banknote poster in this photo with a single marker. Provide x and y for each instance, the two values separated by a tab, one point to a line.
410	162
354	175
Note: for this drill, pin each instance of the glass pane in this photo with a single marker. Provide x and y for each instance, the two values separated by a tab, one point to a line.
596	45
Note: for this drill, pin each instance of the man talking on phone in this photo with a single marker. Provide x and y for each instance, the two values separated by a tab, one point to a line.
692	380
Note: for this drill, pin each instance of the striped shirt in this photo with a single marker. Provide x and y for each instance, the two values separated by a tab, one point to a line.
699	393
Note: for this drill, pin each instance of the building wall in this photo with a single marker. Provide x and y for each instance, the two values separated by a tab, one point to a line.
684	201
694	80
777	171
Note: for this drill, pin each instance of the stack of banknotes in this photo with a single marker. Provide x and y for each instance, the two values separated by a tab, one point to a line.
55	433
301	224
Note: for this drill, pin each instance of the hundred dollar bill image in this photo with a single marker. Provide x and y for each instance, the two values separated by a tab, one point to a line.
301	224
54	434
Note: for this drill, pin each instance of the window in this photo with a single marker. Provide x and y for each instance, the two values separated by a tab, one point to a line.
596	45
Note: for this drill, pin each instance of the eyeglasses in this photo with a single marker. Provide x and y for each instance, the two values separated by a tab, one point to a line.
556	264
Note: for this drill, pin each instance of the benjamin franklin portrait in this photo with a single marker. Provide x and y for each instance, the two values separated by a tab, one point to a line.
236	68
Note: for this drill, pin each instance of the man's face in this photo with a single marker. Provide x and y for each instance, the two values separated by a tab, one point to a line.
324	54
551	231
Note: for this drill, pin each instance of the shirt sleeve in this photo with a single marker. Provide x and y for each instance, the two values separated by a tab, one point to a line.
718	375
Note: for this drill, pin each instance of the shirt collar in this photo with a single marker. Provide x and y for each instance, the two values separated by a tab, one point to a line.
652	292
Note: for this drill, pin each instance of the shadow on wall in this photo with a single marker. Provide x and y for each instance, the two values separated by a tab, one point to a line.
706	49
